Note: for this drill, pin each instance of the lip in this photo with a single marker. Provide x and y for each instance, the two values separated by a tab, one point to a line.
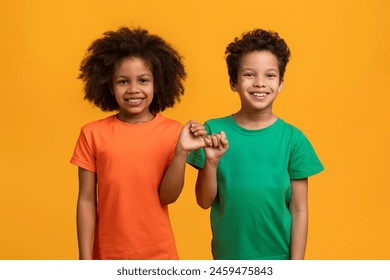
259	94
134	100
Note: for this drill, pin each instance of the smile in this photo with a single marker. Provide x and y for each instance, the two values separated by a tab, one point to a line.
134	101
258	94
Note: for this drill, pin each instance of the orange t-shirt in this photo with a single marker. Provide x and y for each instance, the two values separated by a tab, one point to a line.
130	161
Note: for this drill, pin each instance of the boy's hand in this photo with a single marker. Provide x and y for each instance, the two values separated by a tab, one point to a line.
216	146
192	137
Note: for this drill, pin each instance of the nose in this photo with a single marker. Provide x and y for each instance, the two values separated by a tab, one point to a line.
259	82
133	88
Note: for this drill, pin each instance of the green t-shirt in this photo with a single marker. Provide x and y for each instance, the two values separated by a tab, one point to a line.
250	217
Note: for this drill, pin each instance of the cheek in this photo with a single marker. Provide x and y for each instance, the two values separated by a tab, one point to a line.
116	94
151	96
151	92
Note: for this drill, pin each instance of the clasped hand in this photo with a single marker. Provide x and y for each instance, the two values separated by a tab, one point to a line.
194	136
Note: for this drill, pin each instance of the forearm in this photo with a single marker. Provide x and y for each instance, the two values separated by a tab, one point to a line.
86	219
299	215
299	228
173	181
206	185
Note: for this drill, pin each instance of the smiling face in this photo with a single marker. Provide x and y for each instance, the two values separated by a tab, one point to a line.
258	81
133	87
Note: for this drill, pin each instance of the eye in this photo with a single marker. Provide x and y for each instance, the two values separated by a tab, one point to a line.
248	74
271	75
143	81
122	81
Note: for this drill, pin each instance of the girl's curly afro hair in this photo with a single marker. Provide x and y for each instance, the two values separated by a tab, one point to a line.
256	40
104	54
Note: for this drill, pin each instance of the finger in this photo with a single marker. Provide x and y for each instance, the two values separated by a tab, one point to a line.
225	143
201	132
191	125
224	140
198	129
215	140
208	141
195	126
220	143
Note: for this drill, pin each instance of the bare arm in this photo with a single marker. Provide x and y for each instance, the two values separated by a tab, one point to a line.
299	215
206	184
191	138
86	213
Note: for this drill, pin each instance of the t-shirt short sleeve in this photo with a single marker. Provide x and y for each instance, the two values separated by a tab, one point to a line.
304	161
196	158
84	154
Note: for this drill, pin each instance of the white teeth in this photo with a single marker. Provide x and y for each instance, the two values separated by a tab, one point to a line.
133	100
259	94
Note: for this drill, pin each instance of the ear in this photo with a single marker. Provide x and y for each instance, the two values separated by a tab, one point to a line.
233	86
281	85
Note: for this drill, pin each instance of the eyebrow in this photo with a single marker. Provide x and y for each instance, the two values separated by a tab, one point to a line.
268	69
139	76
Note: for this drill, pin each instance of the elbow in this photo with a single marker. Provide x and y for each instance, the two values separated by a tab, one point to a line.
297	210
167	200
205	200
204	204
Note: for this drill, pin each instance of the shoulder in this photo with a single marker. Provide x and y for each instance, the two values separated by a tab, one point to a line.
98	127
298	139
166	128
221	120
218	123
166	123
98	124
291	130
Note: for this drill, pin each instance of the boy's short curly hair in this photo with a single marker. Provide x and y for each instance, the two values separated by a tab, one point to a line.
104	55
256	40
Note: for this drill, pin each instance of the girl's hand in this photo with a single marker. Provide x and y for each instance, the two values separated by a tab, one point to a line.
192	137
216	146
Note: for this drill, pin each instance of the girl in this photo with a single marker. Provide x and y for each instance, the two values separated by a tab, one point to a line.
131	165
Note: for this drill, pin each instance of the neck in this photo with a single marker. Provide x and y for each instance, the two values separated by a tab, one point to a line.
254	121
136	118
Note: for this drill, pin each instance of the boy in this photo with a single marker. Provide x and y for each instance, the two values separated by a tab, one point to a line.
257	183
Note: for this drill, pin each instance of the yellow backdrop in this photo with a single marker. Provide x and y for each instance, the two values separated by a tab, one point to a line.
335	90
